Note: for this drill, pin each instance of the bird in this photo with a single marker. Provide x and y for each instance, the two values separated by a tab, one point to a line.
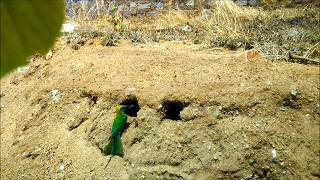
115	147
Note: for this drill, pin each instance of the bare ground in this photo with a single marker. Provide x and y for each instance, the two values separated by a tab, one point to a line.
250	119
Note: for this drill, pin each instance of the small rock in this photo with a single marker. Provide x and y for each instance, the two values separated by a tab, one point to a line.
23	70
55	95
282	108
186	28
37	150
133	8
1	104
61	167
217	156
43	105
294	33
251	114
190	112
252	161
241	2
25	155
294	91
217	114
49	55
274	154
151	14
127	14
190	3
248	177
69	27
253	2
143	7
159	5
206	13
35	153
269	83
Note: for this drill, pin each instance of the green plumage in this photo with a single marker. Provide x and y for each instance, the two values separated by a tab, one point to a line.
115	147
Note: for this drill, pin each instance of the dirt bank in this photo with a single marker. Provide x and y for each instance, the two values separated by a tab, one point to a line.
239	118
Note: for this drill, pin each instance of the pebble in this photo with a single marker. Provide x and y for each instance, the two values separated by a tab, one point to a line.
61	167
294	91
25	155
37	150
23	70
1	104
49	55
217	114
269	83
69	27
190	112
55	95
274	154
248	177
186	29
217	156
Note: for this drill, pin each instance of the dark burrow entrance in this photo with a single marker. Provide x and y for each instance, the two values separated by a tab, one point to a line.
171	109
131	101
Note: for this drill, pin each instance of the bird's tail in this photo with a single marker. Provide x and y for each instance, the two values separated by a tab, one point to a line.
114	147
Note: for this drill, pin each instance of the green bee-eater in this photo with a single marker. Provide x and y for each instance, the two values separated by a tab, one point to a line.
114	147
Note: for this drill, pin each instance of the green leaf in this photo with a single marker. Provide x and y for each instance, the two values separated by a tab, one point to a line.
27	27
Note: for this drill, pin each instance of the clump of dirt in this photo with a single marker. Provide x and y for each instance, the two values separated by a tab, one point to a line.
202	114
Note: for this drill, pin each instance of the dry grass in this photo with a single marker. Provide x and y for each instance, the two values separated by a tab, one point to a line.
228	18
227	25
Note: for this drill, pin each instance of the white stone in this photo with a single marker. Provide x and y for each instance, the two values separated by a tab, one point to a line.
274	153
23	70
69	27
293	91
55	95
49	55
1	105
61	167
186	29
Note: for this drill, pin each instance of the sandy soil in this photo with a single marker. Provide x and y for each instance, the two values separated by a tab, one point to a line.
240	119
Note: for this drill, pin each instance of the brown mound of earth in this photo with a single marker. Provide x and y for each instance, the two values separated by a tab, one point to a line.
204	114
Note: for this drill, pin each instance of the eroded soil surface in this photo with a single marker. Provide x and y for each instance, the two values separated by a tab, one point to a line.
205	114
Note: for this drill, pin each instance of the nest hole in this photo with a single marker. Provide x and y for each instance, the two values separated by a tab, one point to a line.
171	109
133	102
